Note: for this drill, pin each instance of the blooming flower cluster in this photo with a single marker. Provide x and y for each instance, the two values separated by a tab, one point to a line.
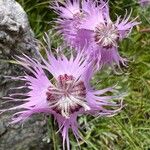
60	85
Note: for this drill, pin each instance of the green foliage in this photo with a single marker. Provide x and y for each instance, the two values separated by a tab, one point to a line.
40	15
130	129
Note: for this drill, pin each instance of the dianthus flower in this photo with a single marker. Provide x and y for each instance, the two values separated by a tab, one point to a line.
89	25
60	86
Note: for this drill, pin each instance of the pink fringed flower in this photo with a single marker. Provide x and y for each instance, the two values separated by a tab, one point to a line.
94	30
60	86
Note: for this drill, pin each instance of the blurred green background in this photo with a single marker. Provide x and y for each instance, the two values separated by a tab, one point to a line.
130	129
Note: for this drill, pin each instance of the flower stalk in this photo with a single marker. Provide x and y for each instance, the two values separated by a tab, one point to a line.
52	133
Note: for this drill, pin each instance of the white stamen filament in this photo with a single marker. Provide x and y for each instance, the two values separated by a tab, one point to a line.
106	35
66	102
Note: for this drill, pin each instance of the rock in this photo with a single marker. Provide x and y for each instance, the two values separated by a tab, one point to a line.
23	137
16	37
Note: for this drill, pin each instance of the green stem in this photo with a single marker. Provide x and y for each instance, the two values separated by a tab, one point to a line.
52	132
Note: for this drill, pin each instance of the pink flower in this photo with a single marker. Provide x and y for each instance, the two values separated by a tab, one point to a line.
94	29
60	86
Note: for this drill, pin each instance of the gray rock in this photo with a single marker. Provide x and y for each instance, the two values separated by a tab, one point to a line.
16	37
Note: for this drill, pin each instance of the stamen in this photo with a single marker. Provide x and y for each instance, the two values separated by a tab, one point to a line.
67	96
106	35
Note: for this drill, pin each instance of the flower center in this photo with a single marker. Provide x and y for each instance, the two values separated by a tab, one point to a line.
106	35
67	95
